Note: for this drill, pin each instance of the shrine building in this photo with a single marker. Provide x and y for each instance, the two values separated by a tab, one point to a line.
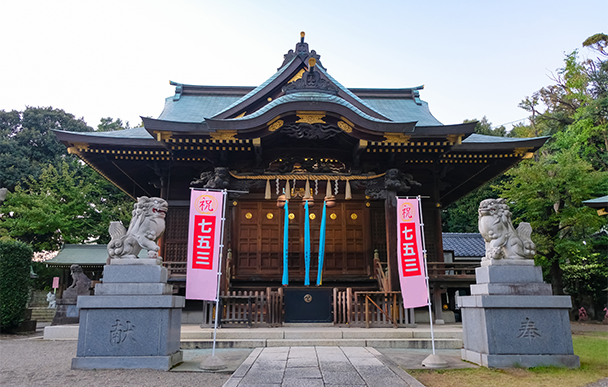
304	132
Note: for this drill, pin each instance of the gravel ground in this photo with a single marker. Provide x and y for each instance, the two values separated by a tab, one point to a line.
27	361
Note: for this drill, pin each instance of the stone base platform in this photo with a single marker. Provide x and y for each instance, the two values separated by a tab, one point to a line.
526	361
512	320
133	321
128	362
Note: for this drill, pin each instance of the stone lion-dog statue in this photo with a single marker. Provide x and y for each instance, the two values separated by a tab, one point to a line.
503	241
147	225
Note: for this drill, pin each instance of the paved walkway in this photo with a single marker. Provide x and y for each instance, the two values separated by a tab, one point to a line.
319	367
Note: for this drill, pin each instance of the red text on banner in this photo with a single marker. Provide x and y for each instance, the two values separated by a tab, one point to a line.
204	242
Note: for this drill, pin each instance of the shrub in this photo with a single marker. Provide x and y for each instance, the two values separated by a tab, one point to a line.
15	263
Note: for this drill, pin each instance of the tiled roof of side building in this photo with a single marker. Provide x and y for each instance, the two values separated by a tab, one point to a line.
83	255
600	201
132	133
482	138
464	244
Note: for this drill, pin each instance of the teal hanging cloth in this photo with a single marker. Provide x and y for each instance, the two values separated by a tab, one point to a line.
286	246
306	243
321	246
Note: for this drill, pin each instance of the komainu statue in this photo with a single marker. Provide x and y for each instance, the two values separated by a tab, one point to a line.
81	284
503	241
147	225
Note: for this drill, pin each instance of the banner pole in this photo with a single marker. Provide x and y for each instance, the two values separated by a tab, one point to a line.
426	271
219	270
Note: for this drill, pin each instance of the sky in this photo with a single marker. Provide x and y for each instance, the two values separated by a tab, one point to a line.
115	59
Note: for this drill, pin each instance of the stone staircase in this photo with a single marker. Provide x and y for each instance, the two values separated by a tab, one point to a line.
43	314
446	337
194	337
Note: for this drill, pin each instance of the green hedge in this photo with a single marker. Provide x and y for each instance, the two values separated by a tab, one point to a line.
15	263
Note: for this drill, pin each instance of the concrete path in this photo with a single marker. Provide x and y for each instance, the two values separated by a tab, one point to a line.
319	367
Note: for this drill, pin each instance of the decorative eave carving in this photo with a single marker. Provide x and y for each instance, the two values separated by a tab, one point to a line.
310	117
224	135
162	135
315	131
398	138
345	127
77	147
455	138
522	151
275	125
311	80
297	76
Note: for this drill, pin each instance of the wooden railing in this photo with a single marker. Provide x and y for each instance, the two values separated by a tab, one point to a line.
370	309
452	271
177	270
246	308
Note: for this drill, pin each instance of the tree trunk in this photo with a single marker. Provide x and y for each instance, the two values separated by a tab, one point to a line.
556	274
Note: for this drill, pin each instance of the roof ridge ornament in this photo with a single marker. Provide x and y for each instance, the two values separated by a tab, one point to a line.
301	51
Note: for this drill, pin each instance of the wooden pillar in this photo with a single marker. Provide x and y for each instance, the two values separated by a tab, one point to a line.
164	194
437	208
390	215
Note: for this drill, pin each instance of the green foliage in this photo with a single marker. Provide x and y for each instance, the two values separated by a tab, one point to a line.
462	215
15	263
108	124
72	204
485	127
598	42
45	275
27	142
585	272
572	167
549	194
55	198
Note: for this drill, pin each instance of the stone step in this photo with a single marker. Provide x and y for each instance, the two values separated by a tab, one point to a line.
193	333
446	337
376	343
194	337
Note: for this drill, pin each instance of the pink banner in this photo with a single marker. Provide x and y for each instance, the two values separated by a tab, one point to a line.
204	234
410	255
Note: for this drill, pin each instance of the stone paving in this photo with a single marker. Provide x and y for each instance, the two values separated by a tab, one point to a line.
319	367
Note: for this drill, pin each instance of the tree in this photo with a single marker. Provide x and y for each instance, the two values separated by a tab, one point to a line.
27	142
549	193
485	127
571	167
462	215
72	204
108	124
598	42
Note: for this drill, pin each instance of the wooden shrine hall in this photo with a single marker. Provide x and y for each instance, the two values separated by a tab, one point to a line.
302	134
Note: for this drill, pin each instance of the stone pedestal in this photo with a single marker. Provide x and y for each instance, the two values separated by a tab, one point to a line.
132	321
512	319
66	312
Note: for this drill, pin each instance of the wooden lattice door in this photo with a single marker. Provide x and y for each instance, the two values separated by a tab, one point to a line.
258	228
